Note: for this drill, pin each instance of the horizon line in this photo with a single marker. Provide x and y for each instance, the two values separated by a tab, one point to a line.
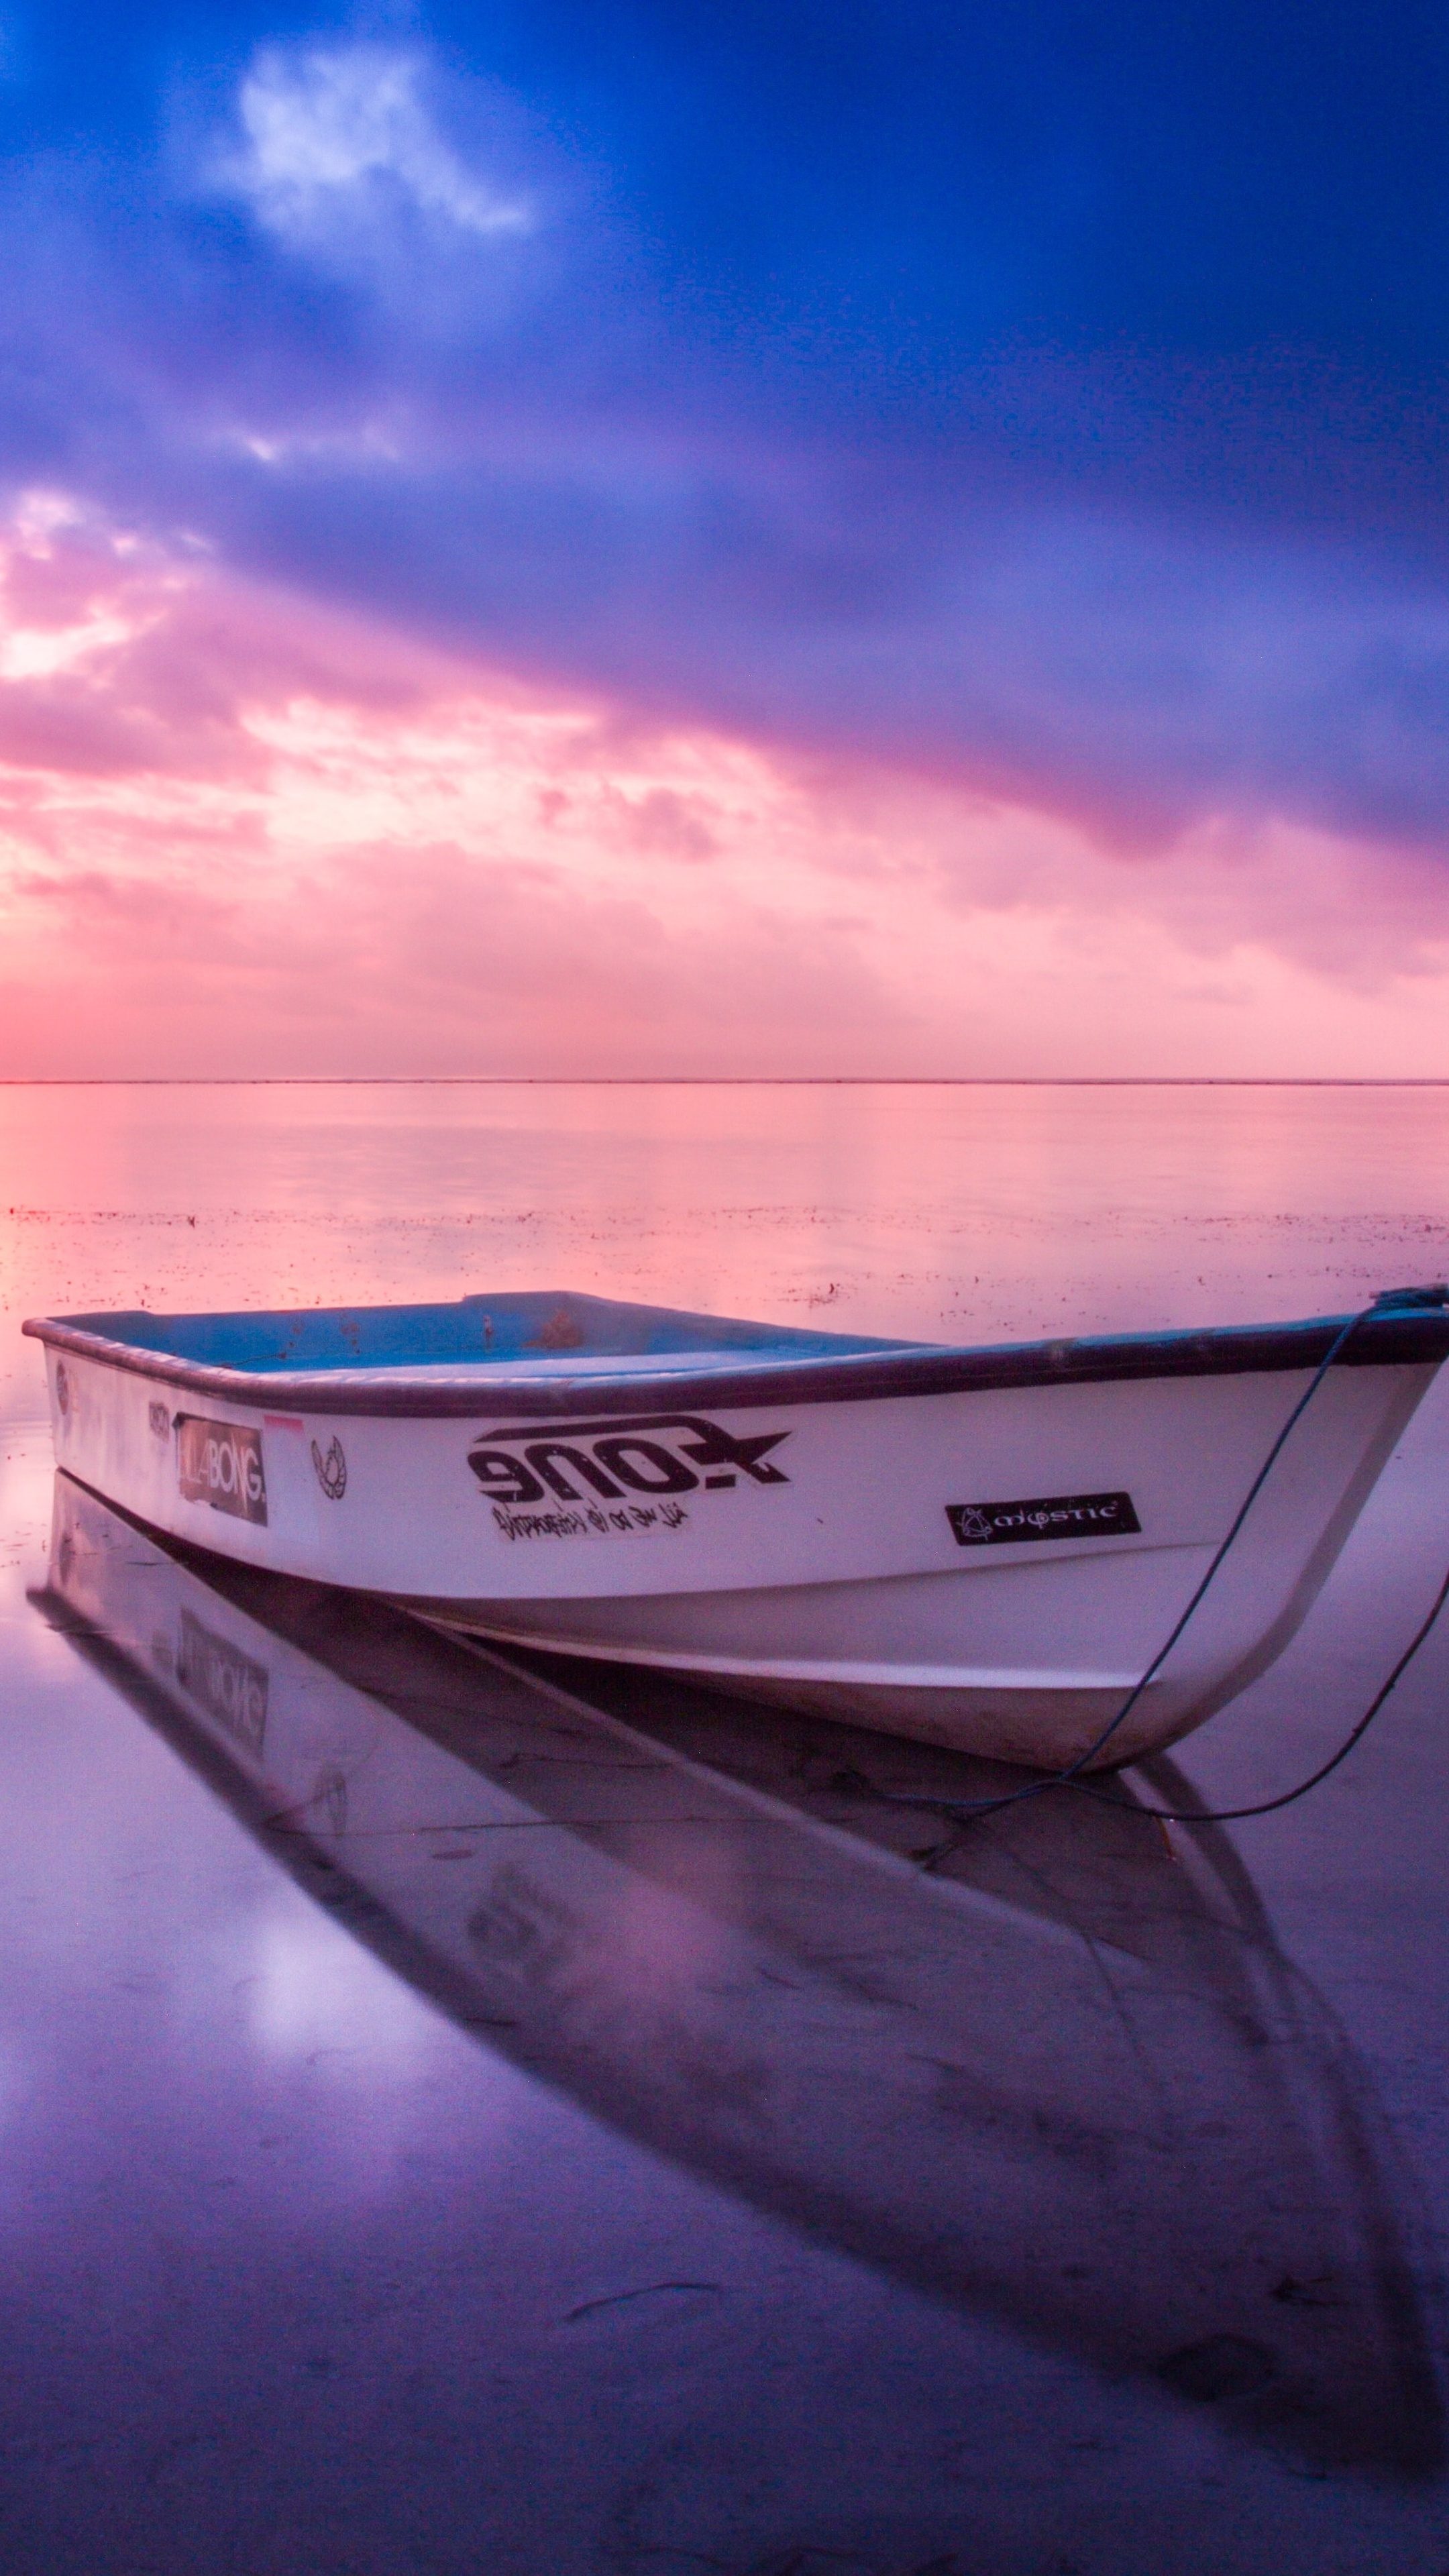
721	1081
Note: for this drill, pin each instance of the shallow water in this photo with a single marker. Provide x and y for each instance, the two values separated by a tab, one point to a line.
582	2133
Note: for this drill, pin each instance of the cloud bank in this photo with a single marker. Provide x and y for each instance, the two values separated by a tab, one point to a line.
239	833
912	512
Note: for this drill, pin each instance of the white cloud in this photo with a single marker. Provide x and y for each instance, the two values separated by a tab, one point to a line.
28	654
332	135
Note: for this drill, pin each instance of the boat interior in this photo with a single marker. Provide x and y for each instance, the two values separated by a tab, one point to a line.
550	1330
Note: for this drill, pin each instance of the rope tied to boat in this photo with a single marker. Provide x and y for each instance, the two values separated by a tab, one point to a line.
968	1810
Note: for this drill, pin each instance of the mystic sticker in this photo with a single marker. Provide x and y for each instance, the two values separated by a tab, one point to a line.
220	1463
1042	1516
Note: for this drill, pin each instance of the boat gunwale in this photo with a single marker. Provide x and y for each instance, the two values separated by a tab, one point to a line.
1394	1337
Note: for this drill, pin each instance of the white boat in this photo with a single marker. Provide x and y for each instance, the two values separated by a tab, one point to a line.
1066	2081
984	1548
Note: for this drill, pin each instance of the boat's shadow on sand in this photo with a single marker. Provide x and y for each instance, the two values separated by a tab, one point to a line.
1057	2072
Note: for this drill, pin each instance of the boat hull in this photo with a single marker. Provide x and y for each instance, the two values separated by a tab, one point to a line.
991	1566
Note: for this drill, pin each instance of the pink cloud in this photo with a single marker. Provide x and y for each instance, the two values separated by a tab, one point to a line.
239	834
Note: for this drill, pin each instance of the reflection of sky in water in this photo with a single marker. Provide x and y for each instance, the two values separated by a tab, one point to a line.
299	2275
956	1214
181	1953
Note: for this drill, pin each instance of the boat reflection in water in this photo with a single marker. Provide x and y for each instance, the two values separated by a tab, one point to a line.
1058	2075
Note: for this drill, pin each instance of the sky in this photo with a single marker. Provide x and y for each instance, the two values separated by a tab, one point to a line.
642	538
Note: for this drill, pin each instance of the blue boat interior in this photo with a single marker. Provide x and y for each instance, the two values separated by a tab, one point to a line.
542	1325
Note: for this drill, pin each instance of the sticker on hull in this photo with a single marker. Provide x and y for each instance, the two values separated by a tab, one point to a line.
590	1520
1042	1516
615	1478
220	1463
331	1470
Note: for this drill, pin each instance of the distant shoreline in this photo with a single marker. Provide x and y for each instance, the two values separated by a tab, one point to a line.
725	1081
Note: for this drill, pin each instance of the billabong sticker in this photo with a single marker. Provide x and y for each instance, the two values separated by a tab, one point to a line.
220	1463
617	1476
1042	1516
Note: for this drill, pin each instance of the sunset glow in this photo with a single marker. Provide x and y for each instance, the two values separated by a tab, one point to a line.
743	547
243	833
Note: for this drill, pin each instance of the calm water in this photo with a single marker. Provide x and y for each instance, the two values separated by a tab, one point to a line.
581	2135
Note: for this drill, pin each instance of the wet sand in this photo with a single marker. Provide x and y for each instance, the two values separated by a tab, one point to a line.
466	2115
